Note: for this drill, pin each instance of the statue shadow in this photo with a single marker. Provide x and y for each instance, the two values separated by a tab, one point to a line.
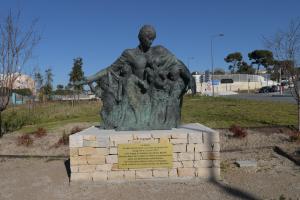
68	168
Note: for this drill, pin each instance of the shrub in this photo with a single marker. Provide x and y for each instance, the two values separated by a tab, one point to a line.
75	129
25	140
63	140
40	132
295	137
238	132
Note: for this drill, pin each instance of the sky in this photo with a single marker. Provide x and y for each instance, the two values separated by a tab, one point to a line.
99	31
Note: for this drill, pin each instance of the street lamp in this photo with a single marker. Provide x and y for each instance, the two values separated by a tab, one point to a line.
212	59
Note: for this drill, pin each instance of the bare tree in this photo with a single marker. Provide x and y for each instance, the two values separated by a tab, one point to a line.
285	45
16	45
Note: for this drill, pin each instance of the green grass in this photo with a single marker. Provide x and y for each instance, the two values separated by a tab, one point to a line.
215	112
220	112
50	115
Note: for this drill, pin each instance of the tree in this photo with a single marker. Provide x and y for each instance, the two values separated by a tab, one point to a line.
219	71
38	79
59	87
77	75
234	58
261	58
16	46
245	68
47	88
285	45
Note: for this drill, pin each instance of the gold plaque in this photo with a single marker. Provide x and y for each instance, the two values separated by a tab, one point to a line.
132	156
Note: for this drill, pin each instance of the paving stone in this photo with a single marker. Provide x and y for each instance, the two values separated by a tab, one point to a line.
246	163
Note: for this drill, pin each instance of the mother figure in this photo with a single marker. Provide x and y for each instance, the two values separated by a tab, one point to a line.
143	88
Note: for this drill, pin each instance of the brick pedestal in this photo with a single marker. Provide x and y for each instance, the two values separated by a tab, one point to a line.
94	153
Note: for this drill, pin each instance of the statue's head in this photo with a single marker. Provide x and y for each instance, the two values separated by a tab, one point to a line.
146	36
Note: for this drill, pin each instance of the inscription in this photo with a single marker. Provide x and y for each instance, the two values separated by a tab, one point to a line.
132	156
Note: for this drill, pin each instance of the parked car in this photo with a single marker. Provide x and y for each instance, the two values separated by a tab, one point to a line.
269	89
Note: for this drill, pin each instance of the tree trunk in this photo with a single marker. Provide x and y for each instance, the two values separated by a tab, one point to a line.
298	115
1	132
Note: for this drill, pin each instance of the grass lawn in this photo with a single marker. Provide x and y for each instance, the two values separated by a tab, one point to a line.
220	112
215	112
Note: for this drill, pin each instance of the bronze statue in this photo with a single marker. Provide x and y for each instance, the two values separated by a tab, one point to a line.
143	89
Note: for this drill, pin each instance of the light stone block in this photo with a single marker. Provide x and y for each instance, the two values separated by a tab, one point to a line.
198	156
95	159
203	148
142	136
160	173
86	151
86	168
76	140
145	141
179	148
78	160
90	143
186	156
73	151
81	177
164	140
104	167
129	175
161	135
175	157
210	155
188	164
173	173
89	137
177	164
216	147
115	167
212	137
143	174
203	163
178	141
110	159
99	176
190	147
102	141
179	135
113	150
74	168
195	138
186	172
115	175
208	173
216	163
101	151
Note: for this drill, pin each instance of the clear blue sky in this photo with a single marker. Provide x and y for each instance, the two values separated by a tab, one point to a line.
98	31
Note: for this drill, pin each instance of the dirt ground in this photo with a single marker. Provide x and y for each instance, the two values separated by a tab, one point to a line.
275	176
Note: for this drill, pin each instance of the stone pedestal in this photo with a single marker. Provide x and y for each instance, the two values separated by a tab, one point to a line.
94	153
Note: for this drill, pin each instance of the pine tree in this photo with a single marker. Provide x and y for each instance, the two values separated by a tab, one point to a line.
77	75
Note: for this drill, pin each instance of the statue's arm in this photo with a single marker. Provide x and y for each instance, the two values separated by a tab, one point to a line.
115	67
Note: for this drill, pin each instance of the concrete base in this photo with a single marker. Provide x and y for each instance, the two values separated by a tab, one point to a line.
94	153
